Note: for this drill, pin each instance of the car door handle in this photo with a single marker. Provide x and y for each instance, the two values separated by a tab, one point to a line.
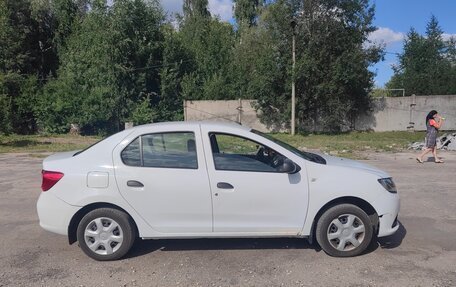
134	183
224	185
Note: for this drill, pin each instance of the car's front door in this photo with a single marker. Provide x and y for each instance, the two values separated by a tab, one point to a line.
250	194
163	176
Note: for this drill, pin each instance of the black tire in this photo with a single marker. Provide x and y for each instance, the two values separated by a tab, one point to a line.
111	248
326	226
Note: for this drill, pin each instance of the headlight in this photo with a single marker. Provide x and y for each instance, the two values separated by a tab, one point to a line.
388	184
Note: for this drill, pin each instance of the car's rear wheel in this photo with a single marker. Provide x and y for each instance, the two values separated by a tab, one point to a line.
344	230
106	234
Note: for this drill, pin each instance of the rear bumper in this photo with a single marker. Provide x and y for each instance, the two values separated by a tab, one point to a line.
54	213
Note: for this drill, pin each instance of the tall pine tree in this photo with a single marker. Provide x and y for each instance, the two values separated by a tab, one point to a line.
426	66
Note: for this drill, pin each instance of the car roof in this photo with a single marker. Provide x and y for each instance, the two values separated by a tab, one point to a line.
209	124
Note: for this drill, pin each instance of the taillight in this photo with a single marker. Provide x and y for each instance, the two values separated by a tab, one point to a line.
50	178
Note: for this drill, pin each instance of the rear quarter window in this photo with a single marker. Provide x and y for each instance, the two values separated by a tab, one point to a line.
131	155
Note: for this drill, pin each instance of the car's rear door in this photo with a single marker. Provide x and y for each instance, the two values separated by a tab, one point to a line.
162	174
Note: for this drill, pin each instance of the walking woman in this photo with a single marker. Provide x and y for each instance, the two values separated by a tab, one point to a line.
433	123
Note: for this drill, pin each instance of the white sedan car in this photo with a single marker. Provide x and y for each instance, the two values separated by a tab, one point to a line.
205	180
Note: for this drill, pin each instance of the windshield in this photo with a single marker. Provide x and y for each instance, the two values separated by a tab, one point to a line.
303	154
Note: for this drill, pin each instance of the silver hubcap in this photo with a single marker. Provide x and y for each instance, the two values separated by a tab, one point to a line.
103	236
346	232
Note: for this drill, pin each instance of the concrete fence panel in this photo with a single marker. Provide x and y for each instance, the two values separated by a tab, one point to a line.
408	113
237	111
389	113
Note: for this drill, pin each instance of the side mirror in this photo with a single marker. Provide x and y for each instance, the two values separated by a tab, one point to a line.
289	167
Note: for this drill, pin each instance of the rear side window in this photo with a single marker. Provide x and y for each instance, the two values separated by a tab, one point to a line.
163	150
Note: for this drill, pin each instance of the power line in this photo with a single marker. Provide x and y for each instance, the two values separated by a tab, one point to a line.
159	66
393	53
126	69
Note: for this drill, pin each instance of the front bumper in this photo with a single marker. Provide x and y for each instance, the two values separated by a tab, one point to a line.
388	223
54	213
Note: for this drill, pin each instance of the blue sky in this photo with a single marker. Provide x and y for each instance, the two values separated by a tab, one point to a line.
394	18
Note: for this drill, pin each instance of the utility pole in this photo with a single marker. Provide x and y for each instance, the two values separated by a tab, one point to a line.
293	89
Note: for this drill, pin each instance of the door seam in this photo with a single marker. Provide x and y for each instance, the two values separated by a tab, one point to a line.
208	177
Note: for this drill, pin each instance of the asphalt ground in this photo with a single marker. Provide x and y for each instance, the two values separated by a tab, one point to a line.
421	253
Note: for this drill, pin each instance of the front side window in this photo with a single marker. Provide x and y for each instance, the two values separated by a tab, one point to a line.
303	154
236	153
164	150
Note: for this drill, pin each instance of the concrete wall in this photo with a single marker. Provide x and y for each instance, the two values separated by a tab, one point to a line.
389	114
408	113
239	111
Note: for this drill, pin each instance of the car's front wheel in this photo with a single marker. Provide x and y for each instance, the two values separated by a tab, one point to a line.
106	234
344	230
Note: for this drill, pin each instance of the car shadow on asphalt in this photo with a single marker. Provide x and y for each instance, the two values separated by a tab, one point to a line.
143	247
388	242
393	241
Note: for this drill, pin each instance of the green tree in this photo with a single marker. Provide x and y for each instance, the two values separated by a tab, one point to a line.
450	57
109	69
67	14
137	51
426	66
195	9
177	63
209	42
246	11
26	60
332	76
261	64
84	89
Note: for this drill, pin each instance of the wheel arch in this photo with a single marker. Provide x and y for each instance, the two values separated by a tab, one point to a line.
74	222
361	203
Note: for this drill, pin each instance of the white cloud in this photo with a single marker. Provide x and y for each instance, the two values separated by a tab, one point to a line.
447	36
386	36
172	6
221	8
